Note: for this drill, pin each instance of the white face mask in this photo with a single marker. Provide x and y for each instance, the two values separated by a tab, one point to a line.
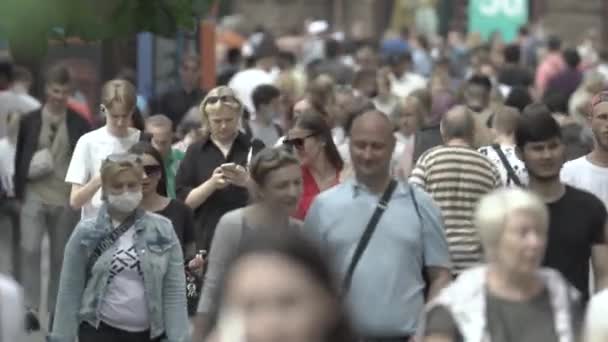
125	202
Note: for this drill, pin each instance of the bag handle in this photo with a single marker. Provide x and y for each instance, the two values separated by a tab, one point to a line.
367	234
505	162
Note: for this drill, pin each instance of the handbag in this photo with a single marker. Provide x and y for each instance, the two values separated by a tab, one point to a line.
367	234
42	164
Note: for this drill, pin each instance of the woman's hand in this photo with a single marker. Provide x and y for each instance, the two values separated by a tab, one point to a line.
218	179
197	264
236	175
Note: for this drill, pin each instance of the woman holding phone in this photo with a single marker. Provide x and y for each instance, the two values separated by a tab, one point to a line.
213	178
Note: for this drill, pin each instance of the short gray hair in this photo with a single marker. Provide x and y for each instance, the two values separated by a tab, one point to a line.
494	209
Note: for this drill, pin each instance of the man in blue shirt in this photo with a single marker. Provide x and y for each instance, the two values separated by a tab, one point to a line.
387	292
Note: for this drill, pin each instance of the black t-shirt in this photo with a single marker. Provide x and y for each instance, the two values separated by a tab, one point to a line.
515	76
183	220
576	224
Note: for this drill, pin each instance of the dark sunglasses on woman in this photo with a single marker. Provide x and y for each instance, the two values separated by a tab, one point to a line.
297	142
152	170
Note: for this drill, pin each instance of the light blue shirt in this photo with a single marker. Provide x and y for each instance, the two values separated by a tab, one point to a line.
386	297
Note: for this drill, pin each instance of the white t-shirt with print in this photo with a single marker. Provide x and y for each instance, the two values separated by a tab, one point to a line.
582	174
124	305
518	166
90	151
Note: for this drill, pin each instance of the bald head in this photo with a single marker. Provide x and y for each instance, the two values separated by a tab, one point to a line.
458	123
376	120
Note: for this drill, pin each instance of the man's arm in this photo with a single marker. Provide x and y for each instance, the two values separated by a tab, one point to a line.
439	277
599	263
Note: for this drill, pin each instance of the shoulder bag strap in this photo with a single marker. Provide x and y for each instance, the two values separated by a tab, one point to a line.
109	241
505	162
367	234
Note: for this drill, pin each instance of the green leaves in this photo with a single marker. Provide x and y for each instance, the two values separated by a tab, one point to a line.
29	24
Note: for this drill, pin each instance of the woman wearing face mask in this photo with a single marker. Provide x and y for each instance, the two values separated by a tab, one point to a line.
277	187
320	160
212	178
122	277
279	288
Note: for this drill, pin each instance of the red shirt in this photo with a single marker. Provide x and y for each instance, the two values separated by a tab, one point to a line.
310	190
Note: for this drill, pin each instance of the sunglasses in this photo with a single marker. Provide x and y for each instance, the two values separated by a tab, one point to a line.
298	142
124	157
228	99
152	170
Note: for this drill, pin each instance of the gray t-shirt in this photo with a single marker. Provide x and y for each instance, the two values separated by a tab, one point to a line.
508	321
231	232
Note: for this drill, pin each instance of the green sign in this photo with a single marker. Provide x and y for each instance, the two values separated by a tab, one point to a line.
504	16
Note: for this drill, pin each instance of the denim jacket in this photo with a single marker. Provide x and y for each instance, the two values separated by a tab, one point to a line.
79	299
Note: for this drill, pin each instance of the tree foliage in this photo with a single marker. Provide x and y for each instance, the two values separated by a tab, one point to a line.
30	24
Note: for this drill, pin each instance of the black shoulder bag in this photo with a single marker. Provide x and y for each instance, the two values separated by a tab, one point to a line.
110	240
367	234
511	176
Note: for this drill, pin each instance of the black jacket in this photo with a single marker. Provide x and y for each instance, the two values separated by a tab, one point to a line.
27	143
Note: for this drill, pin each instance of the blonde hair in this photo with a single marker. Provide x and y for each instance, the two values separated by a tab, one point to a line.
116	164
119	92
221	91
494	209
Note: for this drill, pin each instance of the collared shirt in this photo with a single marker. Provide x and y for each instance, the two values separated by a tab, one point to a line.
387	291
171	167
197	167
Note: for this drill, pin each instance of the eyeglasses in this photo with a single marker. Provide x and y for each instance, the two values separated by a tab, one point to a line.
227	99
153	170
298	142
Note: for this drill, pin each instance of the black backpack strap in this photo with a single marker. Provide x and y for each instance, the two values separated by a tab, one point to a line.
111	239
367	234
505	162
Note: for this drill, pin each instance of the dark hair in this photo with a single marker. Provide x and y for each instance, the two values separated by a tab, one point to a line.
286	59
519	97
264	94
144	147
554	43
268	160
480	80
556	102
127	74
362	105
512	53
58	74
233	55
572	58
318	125
7	72
295	248
138	120
536	124
332	48
523	31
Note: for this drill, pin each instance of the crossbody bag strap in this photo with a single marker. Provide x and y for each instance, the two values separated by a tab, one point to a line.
109	241
367	234
505	162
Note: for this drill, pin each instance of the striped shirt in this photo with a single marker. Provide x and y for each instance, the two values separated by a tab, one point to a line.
457	178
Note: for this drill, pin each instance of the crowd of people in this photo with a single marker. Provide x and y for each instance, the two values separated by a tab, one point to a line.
400	191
